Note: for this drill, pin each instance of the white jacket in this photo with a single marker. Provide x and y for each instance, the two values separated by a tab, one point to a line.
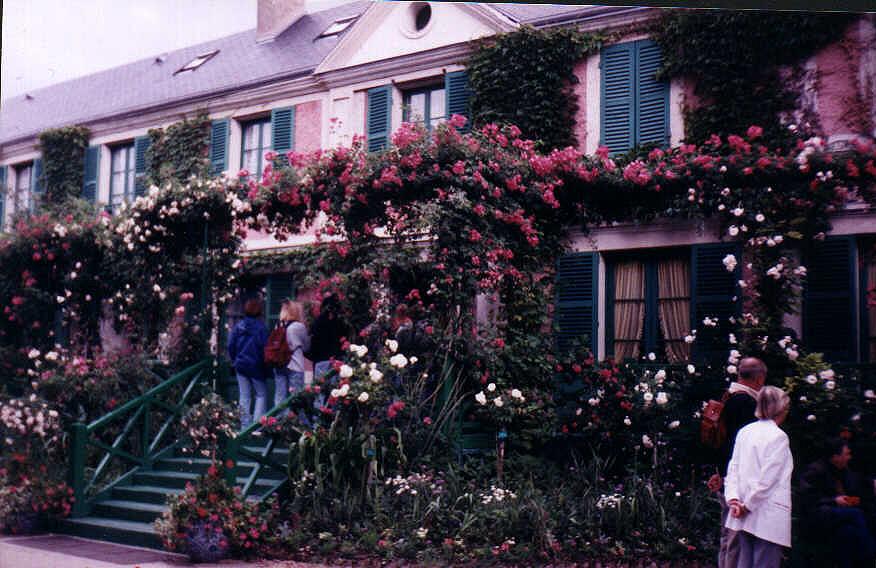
759	475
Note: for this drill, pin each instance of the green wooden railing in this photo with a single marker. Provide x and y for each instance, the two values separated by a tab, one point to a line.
139	443
246	446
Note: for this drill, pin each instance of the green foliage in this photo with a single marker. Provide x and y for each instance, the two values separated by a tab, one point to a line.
526	78
63	154
179	151
734	57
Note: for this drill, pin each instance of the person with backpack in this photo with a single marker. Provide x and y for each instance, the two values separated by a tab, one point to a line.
285	351
736	410
246	349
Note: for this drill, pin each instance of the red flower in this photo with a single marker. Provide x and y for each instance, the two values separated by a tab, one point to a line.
754	132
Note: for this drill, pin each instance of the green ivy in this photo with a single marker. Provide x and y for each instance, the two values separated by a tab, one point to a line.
734	59
526	78
180	150
63	154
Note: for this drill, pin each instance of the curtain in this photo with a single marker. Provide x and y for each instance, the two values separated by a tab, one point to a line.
629	308
871	309
673	284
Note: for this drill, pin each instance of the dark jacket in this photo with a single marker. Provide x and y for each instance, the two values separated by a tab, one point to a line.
819	487
325	338
738	412
246	348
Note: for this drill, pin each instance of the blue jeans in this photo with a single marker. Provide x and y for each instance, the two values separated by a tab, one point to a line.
321	369
852	542
286	382
247	385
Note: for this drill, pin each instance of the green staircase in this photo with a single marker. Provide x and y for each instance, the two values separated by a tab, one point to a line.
127	513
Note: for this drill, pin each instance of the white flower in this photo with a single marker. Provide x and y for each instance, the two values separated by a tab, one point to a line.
733	230
491	387
778	239
691	369
344	390
363	397
738	212
827	375
156	288
33	353
651	356
60	299
792	354
730	262
732	339
646	441
689	338
422	532
869	394
674	424
709	322
811	418
731	369
346	371
413	360
759	218
627	421
662	397
593	402
800	271
648	397
856	418
810	379
375	376
335	393
498	401
515	393
52	356
481	398
660	376
398	360
392	344
830	385
359	350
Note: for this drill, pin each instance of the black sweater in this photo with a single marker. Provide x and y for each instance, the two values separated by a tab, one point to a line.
738	412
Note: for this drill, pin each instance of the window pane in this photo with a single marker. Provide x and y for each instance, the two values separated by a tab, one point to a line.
673	282
417	107
436	104
129	153
629	308
266	136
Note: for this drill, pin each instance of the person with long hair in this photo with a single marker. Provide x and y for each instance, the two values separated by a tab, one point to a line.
290	379
246	347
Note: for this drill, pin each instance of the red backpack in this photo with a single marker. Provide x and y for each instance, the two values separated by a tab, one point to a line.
713	429
277	352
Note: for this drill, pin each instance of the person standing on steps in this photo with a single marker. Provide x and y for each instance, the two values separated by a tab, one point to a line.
290	379
738	412
246	347
327	333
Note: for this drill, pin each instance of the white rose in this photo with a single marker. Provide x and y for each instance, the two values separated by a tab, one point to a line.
363	397
392	344
759	218
691	369
830	385
674	424
648	397
481	398
491	387
826	375
627	421
646	441
651	356
344	390
662	398
346	371
733	230
731	369
660	376
33	353
335	393
811	418
869	393
811	379
375	376
730	262
738	212
498	401
413	360
399	361
515	393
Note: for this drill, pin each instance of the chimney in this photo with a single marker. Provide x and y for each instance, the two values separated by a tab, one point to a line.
275	17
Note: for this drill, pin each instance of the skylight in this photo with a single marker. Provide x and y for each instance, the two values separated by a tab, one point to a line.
197	62
338	26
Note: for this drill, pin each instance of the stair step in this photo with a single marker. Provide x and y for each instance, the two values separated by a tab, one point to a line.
129	510
113	530
145	493
178	479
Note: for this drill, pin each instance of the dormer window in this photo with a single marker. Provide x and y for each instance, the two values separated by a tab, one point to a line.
197	62
337	27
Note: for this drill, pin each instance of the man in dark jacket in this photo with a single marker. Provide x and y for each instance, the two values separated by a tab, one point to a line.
246	349
326	335
738	411
838	505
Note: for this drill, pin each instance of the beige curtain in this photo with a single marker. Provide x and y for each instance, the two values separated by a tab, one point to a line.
673	283
629	308
871	310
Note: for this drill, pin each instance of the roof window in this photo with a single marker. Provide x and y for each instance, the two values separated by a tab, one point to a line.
197	62
337	27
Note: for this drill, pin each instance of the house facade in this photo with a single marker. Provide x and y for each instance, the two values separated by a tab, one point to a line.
303	81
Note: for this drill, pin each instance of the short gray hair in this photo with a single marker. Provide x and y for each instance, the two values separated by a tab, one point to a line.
771	402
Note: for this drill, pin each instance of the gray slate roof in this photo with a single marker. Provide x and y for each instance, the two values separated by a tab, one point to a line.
240	62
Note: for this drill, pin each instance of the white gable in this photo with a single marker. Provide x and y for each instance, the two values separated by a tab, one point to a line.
388	29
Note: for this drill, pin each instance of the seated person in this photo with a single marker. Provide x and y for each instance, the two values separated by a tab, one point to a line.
838	504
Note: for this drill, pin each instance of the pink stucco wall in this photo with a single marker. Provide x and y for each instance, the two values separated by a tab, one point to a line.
580	92
308	126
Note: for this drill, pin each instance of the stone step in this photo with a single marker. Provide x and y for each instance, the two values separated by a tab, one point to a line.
200	466
113	530
178	479
144	493
129	510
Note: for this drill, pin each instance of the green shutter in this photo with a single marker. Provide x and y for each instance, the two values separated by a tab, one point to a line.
219	130
712	295
652	96
278	289
141	165
576	309
379	117
3	177
283	129
37	184
457	93
829	320
618	97
91	173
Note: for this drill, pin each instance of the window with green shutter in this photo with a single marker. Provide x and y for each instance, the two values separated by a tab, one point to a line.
634	104
122	172
278	289
576	302
37	184
456	87
91	167
141	165
255	143
378	118
715	294
283	130
830	325
219	131
21	195
425	106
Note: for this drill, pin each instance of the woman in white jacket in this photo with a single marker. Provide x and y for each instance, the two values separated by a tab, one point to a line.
758	486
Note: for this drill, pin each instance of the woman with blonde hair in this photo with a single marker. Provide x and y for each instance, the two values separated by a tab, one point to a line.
290	379
758	486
